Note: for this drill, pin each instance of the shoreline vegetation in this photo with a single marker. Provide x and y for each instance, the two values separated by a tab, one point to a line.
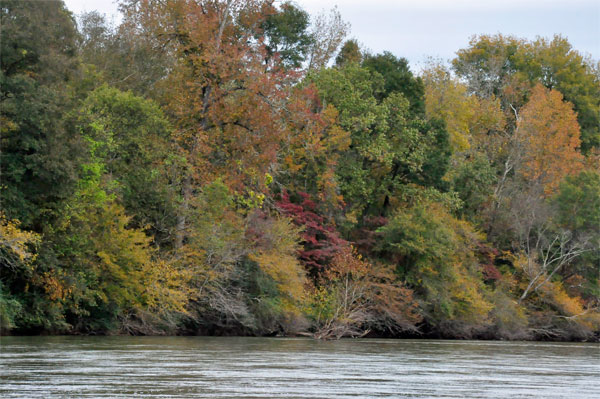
240	167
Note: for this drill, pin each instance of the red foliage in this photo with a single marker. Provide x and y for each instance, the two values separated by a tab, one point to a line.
487	255
490	272
320	240
255	232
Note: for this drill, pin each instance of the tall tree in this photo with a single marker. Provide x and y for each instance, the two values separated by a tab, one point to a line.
397	78
469	118
556	65
287	36
390	146
350	52
121	56
225	108
548	134
328	33
39	147
133	139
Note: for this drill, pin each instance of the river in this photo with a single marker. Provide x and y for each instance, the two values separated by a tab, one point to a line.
241	367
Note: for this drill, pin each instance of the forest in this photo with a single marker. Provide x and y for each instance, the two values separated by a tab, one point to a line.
240	167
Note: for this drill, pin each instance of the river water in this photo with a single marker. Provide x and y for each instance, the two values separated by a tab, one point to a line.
210	367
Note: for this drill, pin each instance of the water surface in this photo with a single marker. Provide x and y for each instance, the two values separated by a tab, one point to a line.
209	367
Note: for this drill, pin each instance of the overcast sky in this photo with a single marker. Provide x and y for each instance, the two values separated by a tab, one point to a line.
416	29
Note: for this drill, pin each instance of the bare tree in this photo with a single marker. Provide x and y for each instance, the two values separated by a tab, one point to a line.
360	296
329	30
549	254
546	247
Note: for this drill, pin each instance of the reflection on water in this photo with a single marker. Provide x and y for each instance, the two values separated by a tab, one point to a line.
209	367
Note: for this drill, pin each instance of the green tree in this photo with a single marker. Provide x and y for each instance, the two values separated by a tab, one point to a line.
350	52
578	210
40	148
132	138
398	78
287	35
389	146
473	179
436	255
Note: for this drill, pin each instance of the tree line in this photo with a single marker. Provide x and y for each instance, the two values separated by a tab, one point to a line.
240	167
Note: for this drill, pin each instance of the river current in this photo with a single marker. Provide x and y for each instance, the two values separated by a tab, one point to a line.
242	367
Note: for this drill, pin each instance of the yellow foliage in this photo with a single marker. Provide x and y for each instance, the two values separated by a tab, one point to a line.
450	273
555	293
126	267
571	308
285	270
466	116
277	258
527	265
313	147
166	286
467	293
55	288
15	243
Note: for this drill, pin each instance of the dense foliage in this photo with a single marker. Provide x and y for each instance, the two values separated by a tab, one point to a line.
234	167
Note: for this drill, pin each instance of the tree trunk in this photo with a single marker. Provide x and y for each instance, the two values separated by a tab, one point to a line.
183	211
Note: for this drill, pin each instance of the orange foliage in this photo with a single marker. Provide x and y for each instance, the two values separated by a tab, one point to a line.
56	289
356	296
549	133
226	102
570	308
314	142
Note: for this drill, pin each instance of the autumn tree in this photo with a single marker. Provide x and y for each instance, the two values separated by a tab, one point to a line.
548	134
355	296
557	66
226	109
469	118
508	67
17	254
311	151
320	240
246	274
328	31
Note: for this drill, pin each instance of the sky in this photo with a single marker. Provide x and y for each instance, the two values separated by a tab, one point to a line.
419	29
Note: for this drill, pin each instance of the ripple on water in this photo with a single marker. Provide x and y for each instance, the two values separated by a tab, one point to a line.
209	367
